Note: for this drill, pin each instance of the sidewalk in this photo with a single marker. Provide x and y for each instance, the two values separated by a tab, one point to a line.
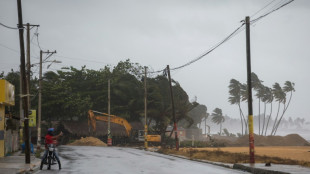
15	163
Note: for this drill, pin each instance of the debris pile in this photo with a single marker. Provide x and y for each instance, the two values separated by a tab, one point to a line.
88	141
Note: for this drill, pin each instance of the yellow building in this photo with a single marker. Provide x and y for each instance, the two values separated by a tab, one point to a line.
7	98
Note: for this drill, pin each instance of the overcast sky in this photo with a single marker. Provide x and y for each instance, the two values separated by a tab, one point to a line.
164	32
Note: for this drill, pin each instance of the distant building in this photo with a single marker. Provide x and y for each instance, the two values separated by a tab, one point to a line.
180	132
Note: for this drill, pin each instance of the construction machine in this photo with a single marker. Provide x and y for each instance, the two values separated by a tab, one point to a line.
92	118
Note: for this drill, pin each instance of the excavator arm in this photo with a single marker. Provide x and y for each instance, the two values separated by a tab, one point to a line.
92	118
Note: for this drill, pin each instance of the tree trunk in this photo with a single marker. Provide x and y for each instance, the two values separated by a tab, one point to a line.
241	120
268	119
274	124
221	129
245	121
285	108
258	116
264	118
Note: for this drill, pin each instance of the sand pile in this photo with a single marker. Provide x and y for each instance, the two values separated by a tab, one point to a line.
88	141
288	140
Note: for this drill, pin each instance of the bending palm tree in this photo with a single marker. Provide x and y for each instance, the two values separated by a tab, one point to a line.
280	96
244	97
235	98
258	87
218	118
269	97
260	94
289	87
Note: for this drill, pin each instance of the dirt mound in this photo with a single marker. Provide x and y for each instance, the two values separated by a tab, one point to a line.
88	141
288	140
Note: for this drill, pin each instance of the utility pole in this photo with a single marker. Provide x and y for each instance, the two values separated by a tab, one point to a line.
40	99
173	112
28	66
23	74
109	118
249	81
28	62
145	110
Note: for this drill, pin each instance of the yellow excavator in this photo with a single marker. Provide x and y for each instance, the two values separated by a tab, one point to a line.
92	118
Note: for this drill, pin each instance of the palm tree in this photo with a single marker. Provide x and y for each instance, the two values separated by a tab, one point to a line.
260	94
244	97
218	118
264	99
235	98
280	97
269	97
288	87
206	117
258	87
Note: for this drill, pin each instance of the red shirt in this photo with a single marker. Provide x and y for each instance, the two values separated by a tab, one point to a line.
48	139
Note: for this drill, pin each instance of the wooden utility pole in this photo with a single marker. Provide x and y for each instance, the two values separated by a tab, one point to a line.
39	104
28	65
23	74
173	112
145	110
28	62
109	118
40	99
249	81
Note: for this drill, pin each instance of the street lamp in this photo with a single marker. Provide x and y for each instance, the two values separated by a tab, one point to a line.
54	61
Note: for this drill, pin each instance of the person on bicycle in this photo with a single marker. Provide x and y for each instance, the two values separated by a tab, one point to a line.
51	139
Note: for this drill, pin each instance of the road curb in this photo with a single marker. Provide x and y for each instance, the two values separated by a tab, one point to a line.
203	161
31	169
256	170
232	166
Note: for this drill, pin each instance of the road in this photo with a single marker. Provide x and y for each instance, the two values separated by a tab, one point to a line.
118	160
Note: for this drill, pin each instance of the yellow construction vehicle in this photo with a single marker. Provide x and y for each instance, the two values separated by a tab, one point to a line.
92	118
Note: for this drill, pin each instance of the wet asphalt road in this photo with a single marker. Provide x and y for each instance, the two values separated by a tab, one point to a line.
118	160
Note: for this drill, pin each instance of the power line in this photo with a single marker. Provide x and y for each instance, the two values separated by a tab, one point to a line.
16	51
14	28
266	14
211	49
9	48
234	33
262	8
37	34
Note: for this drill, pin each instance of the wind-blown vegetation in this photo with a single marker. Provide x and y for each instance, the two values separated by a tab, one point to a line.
238	93
70	92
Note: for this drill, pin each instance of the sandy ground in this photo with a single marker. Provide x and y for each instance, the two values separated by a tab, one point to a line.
301	153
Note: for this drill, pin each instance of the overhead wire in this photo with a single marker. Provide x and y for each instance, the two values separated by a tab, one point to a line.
273	10
14	28
234	33
262	8
211	49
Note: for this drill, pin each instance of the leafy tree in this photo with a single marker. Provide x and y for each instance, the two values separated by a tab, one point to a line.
218	118
288	88
268	98
259	88
235	98
280	97
226	132
197	114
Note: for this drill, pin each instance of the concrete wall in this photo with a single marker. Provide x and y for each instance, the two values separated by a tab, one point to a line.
11	141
